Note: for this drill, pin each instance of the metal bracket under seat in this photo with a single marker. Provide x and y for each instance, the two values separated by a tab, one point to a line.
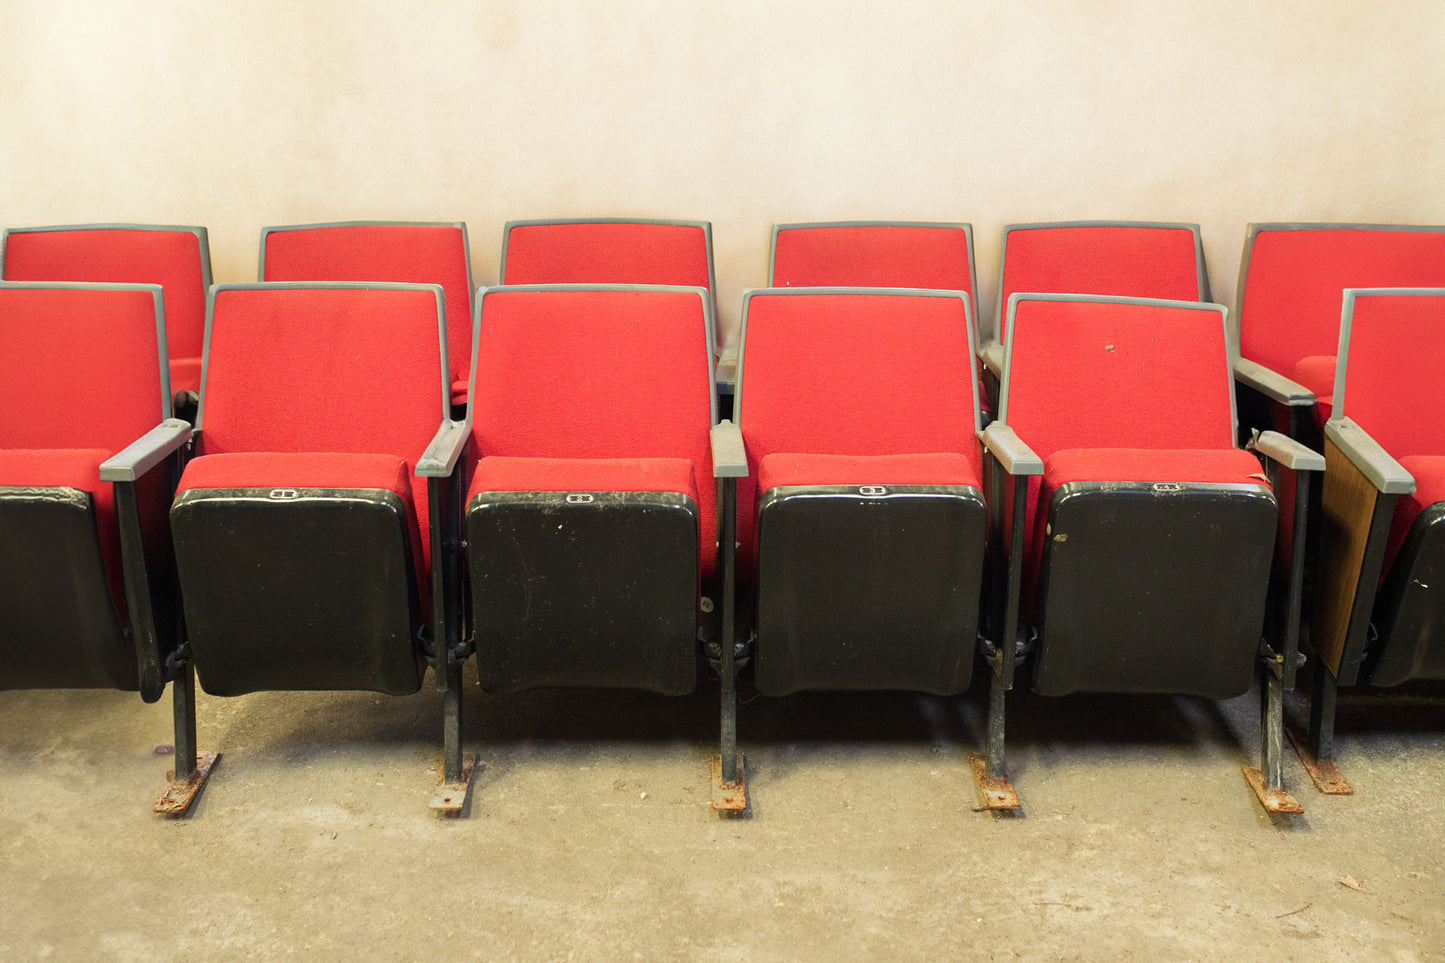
451	797
730	798
181	793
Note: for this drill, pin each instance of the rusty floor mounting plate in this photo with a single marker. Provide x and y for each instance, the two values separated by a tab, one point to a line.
1278	801
179	795
729	797
450	797
1324	774
997	791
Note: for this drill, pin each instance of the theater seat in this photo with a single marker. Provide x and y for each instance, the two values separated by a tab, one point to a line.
864	528
176	258
1379	602
1151	537
612	250
411	252
1292	277
65	620
307	524
591	519
861	518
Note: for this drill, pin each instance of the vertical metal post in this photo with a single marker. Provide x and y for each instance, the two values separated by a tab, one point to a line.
1271	724
996	761
1003	663
1325	693
183	696
726	668
446	619
149	659
1289	648
452	721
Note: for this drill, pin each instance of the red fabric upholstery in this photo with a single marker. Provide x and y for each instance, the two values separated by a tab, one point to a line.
945	468
597	375
852	374
266	469
395	253
78	368
1392	376
77	468
606	252
1085	374
1221	466
874	256
171	258
186	374
1317	373
1290	306
350	371
1429	472
311	470
503	474
1116	259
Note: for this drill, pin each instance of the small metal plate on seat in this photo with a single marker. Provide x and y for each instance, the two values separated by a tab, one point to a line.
997	791
729	797
1326	776
179	795
1279	800
450	797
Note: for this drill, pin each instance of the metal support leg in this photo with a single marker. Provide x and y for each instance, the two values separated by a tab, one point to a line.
729	776
1268	782
458	767
990	771
192	766
452	724
183	703
1271	725
1319	755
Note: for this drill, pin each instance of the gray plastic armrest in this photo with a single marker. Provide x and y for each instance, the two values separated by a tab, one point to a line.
729	457
992	355
446	447
1016	457
146	452
1271	383
1383	471
1287	452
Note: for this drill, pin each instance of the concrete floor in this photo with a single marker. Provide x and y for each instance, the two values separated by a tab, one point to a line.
589	834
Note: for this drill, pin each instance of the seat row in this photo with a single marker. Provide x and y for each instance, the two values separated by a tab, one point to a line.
565	529
1290	274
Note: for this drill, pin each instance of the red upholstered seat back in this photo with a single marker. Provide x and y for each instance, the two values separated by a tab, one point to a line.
875	255
607	252
1117	374
314	368
79	366
1289	307
176	258
1124	260
597	373
1394	365
395	252
896	378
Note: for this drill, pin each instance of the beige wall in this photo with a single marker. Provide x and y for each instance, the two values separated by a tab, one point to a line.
240	113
